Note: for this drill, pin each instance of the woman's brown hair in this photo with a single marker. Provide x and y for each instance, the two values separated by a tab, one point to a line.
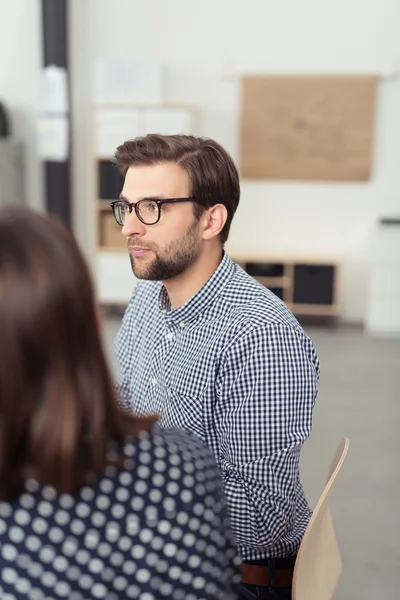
57	406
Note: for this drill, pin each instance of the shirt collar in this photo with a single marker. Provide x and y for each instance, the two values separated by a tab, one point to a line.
202	299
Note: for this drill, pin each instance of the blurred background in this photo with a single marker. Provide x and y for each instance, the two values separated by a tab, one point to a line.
306	97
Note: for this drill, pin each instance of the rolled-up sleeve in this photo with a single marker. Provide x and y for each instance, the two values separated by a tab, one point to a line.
266	390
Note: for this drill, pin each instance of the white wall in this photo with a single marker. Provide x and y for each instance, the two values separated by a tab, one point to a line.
20	61
199	41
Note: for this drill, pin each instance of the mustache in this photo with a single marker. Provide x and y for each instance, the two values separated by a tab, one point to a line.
133	243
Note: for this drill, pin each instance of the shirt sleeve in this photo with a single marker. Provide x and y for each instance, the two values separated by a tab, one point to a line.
266	390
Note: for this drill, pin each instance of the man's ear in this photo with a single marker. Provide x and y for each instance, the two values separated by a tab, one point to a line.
215	219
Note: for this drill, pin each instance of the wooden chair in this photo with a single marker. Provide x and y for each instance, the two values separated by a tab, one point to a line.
318	565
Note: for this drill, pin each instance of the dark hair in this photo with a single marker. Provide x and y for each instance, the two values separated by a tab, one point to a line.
213	175
57	406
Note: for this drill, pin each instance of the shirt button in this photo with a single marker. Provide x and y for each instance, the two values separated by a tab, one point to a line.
170	335
154	381
182	324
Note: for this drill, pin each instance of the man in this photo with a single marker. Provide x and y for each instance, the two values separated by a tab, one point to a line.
213	351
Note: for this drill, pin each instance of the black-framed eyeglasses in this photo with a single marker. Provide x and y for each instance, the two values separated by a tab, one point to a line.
148	210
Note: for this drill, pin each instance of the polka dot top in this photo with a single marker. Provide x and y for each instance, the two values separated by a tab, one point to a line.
155	528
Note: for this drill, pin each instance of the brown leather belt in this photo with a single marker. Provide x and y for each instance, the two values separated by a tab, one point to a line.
259	575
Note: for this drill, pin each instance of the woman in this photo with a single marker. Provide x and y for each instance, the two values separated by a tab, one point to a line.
93	503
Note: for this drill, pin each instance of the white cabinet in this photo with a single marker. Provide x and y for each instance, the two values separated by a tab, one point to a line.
383	302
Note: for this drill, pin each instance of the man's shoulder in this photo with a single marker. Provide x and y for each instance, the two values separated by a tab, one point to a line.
247	299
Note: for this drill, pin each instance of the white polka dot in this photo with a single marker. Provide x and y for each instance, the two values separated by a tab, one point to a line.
155	496
23	586
147	596
201	546
194	561
116	559
194	524
166	590
118	511
122	494
33	543
87	494
60	564
175	473
160	466
130	450
175	572
170	550
199	583
86	581
62	517
164	527
160	452
143	472
47	554
138	552
112	531
186	496
95	565
66	501
31	485
125	478
182	556
49	493
70	546
182	518
169	505
133	591
157	543
132	524
99	590
151	514
211	551
56	535
108	574
98	519
36	594
82	510
143	576
124	543
137	503
129	567
151	559
82	557
45	509
73	573
5	510
23	560
145	535
77	527
22	517
175	459
104	549
106	486
76	596
140	487
172	488
35	570
17	534
103	502
91	539
62	589
120	583
9	575
112	596
9	552
186	578
48	579
176	534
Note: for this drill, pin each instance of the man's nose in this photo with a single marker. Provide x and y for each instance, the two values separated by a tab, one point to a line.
133	226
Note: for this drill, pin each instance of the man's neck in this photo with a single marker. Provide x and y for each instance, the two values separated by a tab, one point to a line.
183	287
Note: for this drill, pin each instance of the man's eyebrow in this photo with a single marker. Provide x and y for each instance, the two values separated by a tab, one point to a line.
154	197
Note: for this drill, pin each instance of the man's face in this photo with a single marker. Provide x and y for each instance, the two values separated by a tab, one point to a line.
165	250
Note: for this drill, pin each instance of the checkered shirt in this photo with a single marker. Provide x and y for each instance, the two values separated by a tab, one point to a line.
233	366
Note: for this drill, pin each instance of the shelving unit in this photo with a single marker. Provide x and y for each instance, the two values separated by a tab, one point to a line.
308	286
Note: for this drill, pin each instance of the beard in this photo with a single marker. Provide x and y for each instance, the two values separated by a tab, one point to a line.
172	261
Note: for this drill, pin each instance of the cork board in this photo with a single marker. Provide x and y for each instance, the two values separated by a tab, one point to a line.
307	127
